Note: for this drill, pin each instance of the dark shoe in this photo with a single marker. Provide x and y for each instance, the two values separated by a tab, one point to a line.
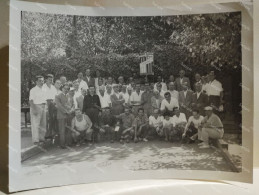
63	147
112	141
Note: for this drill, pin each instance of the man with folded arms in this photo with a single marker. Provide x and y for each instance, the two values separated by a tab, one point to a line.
168	104
212	127
37	102
81	127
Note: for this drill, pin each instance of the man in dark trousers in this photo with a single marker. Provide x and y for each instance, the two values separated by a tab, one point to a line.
199	100
92	107
63	112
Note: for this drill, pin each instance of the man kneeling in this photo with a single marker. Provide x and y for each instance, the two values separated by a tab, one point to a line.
179	122
81	127
140	126
156	123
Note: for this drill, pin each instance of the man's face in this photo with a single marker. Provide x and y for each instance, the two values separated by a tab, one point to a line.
155	113
65	89
63	80
116	89
100	82
80	75
133	85
131	79
49	80
194	113
120	79
138	88
140	112
127	111
83	92
78	113
40	82
91	90
211	76
109	89
198	88
171	78
76	86
177	112
110	80
101	91
184	86
159	79
171	86
72	93
58	84
181	73
208	112
88	72
123	89
168	97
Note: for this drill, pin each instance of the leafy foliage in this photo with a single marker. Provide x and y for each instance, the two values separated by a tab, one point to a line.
65	44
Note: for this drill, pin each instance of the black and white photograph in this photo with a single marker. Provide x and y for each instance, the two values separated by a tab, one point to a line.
131	94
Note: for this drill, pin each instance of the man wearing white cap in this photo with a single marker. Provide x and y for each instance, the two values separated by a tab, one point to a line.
212	127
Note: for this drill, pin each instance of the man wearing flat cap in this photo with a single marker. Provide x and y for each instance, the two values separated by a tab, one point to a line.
212	127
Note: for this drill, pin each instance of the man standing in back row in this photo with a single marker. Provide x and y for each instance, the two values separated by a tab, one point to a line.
37	102
182	79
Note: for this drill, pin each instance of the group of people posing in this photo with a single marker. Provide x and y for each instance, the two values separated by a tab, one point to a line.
92	109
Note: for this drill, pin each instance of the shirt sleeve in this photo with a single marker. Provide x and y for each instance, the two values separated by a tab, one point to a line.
184	118
32	94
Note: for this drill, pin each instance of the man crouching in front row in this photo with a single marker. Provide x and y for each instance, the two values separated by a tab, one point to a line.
140	125
81	127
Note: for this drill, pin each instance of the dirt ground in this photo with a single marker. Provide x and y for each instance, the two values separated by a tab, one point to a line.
152	155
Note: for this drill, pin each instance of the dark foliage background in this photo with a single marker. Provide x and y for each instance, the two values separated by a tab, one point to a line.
66	44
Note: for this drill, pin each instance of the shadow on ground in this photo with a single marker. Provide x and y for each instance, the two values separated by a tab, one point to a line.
151	155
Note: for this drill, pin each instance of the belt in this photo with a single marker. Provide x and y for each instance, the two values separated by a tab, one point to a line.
43	104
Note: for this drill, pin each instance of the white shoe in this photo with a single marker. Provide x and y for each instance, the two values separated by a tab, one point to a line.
200	144
145	140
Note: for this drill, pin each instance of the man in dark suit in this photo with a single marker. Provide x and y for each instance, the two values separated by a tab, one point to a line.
92	107
88	79
199	100
63	112
185	99
182	79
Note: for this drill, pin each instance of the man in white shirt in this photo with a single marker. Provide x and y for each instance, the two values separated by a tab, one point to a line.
37	100
159	81
179	122
135	100
105	99
156	123
125	94
173	92
78	92
168	104
193	127
214	91
82	83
